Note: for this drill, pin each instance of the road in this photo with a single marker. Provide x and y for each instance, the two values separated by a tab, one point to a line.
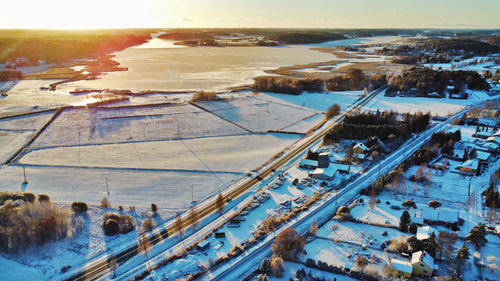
250	260
98	268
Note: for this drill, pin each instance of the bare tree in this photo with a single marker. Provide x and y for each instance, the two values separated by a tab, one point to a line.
373	199
428	178
313	228
178	224
219	202
144	245
193	217
491	215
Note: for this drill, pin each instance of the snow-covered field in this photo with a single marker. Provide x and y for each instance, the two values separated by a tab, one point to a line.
197	154
97	126
258	115
317	101
441	107
15	132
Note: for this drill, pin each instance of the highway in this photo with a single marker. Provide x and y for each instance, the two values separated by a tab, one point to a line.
100	267
243	265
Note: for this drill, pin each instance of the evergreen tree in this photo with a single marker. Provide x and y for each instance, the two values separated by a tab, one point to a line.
477	235
404	221
430	245
463	254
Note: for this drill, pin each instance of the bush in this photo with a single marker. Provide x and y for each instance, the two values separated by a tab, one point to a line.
154	208
148	224
332	111
111	227
30	197
105	203
204	96
409	204
343	210
33	224
79	207
127	223
43	198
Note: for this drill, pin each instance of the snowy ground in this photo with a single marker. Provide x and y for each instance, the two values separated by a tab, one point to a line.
318	101
14	132
197	154
441	107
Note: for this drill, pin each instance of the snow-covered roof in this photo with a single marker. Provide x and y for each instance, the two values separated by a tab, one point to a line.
422	256
497	133
340	167
220	254
471	163
497	228
329	171
425	232
491	145
361	146
494	139
482	155
402	266
308	162
359	155
440	214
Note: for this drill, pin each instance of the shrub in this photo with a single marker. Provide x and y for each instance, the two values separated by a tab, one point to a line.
127	223
105	203
32	224
409	204
154	208
398	245
277	266
111	227
343	210
79	206
204	96
332	111
360	262
43	198
148	224
30	197
270	223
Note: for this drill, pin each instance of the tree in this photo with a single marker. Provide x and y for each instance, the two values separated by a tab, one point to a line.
458	135
348	155
446	243
143	245
492	196
288	244
219	202
409	203
178	224
477	235
404	221
154	208
463	254
265	266
193	217
491	214
313	228
334	227
434	204
430	244
332	111
373	198
277	266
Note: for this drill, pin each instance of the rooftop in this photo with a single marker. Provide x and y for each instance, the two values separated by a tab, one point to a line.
403	266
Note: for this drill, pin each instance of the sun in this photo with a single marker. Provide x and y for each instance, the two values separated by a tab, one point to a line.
69	14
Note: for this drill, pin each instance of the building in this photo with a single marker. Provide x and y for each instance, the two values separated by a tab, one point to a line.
425	232
324	173
469	167
495	139
401	269
308	164
341	168
323	160
359	156
491	147
360	149
203	246
439	214
482	156
423	263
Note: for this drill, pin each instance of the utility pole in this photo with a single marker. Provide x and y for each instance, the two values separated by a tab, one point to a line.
107	187
24	173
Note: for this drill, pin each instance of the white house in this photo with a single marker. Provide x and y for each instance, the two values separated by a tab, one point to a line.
360	148
423	263
400	268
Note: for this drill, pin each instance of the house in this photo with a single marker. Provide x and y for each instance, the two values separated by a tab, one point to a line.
439	214
341	168
401	269
360	148
482	155
324	173
323	160
359	156
469	167
495	139
491	146
425	232
423	263
308	164
203	246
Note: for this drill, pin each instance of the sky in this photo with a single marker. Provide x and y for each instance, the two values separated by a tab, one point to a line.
90	14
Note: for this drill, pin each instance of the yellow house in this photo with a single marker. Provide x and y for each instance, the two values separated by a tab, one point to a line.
423	263
401	269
